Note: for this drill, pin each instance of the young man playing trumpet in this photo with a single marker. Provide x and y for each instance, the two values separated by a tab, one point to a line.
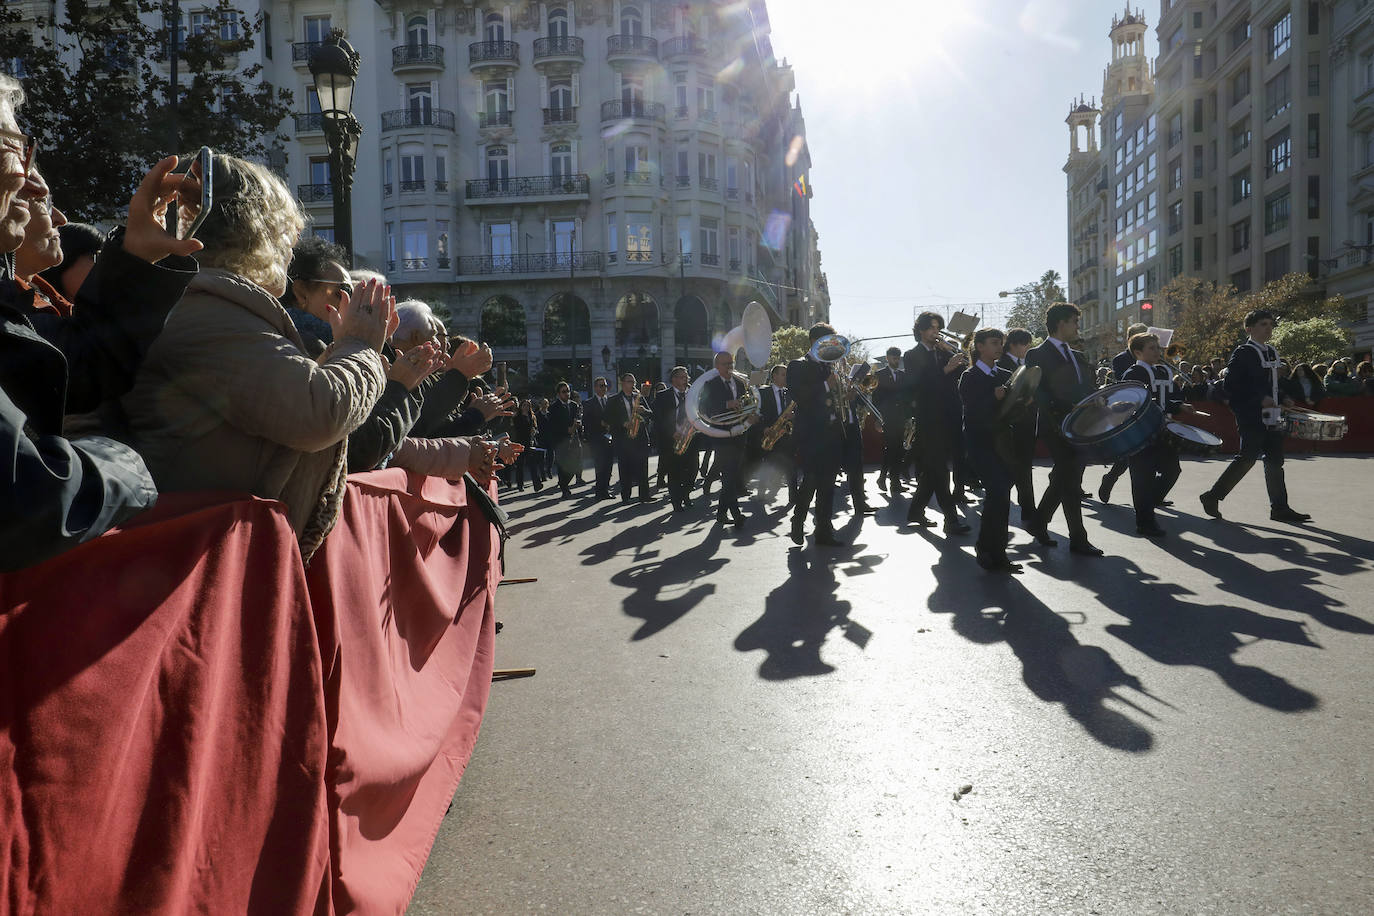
981	390
1155	468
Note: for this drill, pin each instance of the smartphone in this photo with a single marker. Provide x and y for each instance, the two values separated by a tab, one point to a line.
200	171
501	376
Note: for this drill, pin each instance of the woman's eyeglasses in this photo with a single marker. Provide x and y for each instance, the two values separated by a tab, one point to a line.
22	145
343	286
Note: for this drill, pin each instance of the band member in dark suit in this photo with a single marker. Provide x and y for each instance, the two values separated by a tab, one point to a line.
818	437
1022	438
670	421
780	462
1155	468
981	390
892	397
1252	390
853	456
1066	378
933	368
718	396
598	435
632	452
562	427
1121	364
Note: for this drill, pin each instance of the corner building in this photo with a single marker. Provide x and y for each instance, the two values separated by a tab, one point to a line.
591	187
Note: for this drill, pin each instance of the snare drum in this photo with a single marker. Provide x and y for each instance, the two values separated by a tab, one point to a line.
1189	440
1113	423
1316	427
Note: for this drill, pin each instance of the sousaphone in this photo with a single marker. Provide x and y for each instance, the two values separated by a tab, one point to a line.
755	336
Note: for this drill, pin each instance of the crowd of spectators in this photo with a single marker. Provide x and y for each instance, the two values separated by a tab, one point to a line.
247	358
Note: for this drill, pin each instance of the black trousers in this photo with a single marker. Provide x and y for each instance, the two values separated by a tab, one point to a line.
782	464
853	457
681	471
567	456
996	509
932	461
632	456
1022	461
820	462
1257	440
894	453
730	464
603	456
1065	489
1154	471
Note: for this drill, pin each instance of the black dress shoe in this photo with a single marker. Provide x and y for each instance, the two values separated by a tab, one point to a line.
864	509
1151	531
1210	505
1166	502
1286	514
999	564
963	499
828	539
1042	535
920	521
736	519
1084	549
1104	490
796	534
956	527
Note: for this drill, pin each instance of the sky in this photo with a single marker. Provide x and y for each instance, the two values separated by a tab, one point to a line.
937	138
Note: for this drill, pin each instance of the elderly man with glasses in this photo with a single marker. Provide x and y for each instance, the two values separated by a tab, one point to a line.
56	493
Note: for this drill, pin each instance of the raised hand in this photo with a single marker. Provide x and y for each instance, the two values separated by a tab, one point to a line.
368	315
415	365
470	359
498	403
481	458
145	234
507	451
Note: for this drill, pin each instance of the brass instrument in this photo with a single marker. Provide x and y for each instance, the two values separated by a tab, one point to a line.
683	438
781	427
755	336
636	417
909	434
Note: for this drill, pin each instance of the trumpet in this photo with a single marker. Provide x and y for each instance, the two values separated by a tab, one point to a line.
781	427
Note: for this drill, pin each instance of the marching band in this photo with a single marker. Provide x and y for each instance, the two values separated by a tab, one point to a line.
969	410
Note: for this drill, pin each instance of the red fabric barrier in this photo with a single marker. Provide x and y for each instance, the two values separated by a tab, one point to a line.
171	742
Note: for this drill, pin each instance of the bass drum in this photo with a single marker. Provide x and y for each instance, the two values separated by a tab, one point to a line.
1113	423
1189	440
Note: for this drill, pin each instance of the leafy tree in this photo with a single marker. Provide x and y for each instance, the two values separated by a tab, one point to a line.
1312	341
1031	301
98	87
789	343
1210	319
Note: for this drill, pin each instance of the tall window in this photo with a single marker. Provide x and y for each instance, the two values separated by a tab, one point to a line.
228	25
1276	96
1278	153
203	22
631	21
494	27
1240	137
496	98
1280	36
706	97
412	167
612	238
639	238
732	247
1240	186
558	22
636	159
1240	236
417	32
710	229
1240	85
500	244
684	238
316	27
441	168
561	94
420	102
1314	136
560	162
1276	211
414	245
498	166
391	246
563	239
632	93
680	94
319	170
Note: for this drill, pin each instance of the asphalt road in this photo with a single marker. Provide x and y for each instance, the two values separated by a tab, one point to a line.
722	723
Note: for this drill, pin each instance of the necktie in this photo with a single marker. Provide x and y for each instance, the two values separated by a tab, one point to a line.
777	393
681	408
1269	354
1069	356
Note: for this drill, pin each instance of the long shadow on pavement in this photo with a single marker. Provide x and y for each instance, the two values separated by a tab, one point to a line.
1056	667
650	581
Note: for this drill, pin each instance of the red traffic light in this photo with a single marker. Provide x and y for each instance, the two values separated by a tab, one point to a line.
1147	306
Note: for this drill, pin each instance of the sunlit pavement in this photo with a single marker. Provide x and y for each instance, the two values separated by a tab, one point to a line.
723	723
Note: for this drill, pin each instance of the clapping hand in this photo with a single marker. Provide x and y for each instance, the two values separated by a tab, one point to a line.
507	451
416	364
481	458
470	359
500	403
369	315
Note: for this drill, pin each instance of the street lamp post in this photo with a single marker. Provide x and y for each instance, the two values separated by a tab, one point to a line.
334	66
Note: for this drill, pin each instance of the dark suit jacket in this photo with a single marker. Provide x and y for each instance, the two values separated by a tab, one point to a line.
618	418
768	406
977	392
665	420
593	429
1060	387
812	427
893	396
1247	384
561	416
1121	363
715	394
1172	401
934	392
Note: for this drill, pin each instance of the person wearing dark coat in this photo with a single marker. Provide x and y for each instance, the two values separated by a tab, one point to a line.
670	418
599	437
933	369
1121	362
780	460
1021	441
819	440
60	492
981	391
1252	389
1066	378
892	397
1155	468
525	432
719	395
632	452
562	429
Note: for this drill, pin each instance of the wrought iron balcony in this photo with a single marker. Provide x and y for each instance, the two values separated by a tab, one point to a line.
534	186
684	46
639	177
563	47
309	122
709	184
418	117
493	118
683	181
417	57
386	189
412	186
710	260
608	179
315	193
681	112
622	109
734	264
708	115
440	185
685	258
415	264
631	47
732	193
488	53
1089	264
560	115
301	51
561	262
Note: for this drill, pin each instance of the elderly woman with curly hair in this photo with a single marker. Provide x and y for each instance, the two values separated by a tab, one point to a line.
228	399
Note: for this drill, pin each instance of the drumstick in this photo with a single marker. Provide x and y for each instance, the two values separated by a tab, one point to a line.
503	673
517	581
1201	413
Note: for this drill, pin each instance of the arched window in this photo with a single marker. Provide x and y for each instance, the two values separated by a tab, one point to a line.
558	22
495	27
503	322
566	318
417	32
560	161
631	22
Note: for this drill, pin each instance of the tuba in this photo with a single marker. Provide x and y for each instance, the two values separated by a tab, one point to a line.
755	336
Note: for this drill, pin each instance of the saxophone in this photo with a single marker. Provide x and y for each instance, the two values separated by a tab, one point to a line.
632	424
909	434
685	434
781	427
